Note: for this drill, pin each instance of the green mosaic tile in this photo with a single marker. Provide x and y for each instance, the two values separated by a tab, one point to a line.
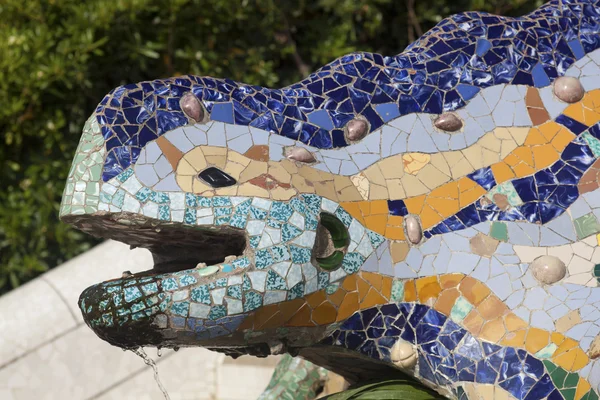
592	142
190	216
499	231
181	308
461	308
275	282
568	394
187	280
343	216
586	225
296	292
397	291
352	262
163	213
217	312
221	202
375	238
571	380
235	291
263	259
507	189
132	294
331	289
190	200
169	284
289	232
257	213
201	294
322	280
558	377
300	255
280	253
246	284
281	211
252	301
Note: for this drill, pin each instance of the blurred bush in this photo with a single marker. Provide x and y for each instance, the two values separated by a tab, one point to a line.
59	57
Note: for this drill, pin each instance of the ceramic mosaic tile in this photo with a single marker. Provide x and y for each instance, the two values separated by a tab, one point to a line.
435	213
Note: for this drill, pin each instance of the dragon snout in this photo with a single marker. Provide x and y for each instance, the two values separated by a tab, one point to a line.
125	316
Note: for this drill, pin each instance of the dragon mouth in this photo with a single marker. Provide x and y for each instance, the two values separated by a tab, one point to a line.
205	282
174	247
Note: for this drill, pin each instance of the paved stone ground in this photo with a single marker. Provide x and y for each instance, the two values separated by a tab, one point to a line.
47	352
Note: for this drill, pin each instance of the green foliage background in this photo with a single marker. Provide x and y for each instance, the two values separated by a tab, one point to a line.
59	57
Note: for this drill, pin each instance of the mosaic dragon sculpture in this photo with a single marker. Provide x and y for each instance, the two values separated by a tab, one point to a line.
433	213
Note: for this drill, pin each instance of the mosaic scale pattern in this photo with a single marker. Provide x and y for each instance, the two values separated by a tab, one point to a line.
435	213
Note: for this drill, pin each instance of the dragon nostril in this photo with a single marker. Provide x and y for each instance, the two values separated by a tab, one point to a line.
192	107
331	242
216	178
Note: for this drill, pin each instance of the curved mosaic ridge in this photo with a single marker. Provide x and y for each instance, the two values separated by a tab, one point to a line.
448	354
340	216
440	72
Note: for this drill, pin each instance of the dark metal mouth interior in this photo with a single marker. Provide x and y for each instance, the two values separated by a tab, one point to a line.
182	249
174	247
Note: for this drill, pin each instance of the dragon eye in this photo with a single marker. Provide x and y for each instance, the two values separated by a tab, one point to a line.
216	178
331	242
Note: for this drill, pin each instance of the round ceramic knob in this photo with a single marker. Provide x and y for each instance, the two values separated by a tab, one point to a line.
404	354
299	154
357	129
191	106
448	122
548	269
568	89
414	231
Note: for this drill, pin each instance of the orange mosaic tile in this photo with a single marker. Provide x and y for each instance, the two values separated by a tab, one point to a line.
363	288
446	300
493	330
492	308
450	280
536	340
473	290
514	338
428	288
172	153
473	322
583	387
410	291
373	298
375	280
324	314
348	307
490	320
302	317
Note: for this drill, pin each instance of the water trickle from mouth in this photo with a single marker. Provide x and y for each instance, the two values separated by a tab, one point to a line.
150	362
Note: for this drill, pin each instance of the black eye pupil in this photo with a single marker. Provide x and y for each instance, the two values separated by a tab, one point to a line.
216	178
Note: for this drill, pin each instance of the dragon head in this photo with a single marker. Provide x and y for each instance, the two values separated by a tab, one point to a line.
236	217
354	217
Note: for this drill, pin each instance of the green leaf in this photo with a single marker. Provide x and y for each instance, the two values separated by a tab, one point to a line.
397	389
